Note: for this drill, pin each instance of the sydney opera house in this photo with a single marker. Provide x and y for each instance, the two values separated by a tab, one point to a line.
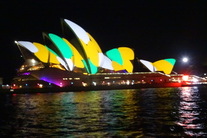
75	59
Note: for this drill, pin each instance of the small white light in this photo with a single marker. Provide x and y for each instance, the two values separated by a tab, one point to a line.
185	59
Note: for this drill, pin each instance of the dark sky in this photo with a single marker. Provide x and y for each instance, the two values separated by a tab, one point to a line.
154	29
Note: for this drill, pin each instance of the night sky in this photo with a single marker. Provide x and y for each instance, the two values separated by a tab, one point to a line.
154	29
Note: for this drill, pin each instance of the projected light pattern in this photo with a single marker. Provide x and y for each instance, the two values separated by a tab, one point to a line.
52	81
64	49
105	62
77	59
121	58
89	45
41	52
148	65
164	65
82	53
80	32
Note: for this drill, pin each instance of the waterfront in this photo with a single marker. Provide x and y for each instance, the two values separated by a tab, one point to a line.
147	112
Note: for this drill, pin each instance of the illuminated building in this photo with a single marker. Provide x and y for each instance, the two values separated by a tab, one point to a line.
76	59
164	65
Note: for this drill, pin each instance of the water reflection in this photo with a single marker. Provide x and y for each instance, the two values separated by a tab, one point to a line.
163	112
190	112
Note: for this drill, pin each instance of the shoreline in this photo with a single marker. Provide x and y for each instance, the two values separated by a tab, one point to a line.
93	88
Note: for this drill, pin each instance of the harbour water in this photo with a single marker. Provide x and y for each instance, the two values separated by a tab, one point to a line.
149	112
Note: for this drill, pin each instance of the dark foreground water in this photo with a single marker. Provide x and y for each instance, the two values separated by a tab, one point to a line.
154	112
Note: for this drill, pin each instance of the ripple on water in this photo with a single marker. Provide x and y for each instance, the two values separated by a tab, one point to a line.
154	112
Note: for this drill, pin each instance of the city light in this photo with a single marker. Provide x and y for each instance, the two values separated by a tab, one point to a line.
185	77
33	61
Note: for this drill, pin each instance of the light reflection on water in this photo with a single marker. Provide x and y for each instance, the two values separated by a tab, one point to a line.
150	112
190	112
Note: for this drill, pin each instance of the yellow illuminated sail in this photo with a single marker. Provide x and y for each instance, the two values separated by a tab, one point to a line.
43	54
127	56
164	65
117	66
77	58
122	56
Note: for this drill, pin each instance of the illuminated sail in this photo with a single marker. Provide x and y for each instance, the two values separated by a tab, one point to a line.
148	65
64	49
127	56
79	49
42	52
105	62
77	58
89	48
121	58
164	65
